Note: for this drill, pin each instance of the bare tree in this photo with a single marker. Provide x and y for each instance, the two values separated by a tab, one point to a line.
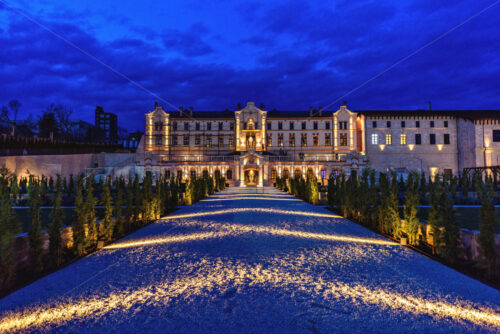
13	109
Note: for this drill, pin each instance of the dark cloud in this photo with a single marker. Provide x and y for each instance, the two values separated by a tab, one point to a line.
189	43
300	55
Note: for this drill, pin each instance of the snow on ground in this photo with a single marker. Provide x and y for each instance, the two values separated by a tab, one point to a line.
253	260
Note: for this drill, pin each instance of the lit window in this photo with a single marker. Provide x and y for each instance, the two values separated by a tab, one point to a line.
403	139
388	139
303	139
316	139
343	139
273	174
291	140
231	141
328	139
280	139
374	139
269	140
220	140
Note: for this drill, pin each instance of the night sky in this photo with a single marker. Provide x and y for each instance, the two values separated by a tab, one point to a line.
214	54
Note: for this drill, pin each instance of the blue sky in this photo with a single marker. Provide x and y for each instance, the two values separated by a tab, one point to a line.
214	54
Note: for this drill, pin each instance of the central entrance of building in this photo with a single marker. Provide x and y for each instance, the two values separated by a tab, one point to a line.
251	177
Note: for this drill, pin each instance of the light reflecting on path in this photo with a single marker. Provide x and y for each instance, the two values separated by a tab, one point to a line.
225	275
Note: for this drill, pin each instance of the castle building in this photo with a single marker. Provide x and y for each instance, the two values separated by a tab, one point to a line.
252	146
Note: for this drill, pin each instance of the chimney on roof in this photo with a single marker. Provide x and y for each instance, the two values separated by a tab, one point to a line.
156	104
239	106
180	111
310	111
262	106
190	111
345	103
320	111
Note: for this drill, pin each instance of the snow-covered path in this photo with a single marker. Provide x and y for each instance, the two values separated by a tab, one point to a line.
247	261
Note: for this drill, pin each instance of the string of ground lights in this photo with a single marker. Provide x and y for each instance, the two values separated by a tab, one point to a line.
46	316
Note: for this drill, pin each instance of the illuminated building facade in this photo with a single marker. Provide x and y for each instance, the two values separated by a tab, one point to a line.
251	146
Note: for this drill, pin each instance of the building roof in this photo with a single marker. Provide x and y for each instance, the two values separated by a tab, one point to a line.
228	114
467	114
202	114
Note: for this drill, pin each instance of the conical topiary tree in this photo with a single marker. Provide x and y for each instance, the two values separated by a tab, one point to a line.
35	232
90	218
451	233
107	220
8	231
119	226
78	228
487	223
410	210
56	223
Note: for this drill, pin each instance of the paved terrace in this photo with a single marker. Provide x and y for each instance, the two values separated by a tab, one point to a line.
248	260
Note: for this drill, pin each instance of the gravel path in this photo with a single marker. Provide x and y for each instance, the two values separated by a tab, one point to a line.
259	261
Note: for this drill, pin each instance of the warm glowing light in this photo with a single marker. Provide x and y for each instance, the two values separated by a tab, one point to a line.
166	240
223	274
411	146
440	147
247	198
238	210
382	147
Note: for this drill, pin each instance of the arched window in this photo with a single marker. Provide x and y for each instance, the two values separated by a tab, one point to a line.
273	174
309	173
229	174
217	173
298	172
286	173
205	172
193	173
323	173
251	124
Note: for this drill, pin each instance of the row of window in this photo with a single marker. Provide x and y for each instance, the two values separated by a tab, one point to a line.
388	124
192	173
297	173
197	140
403	139
158	126
303	125
303	139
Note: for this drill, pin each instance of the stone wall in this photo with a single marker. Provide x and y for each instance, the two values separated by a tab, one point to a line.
65	165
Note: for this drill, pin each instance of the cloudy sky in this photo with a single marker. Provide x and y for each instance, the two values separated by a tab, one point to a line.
214	54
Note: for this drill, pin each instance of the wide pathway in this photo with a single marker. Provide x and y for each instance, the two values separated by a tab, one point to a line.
253	260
